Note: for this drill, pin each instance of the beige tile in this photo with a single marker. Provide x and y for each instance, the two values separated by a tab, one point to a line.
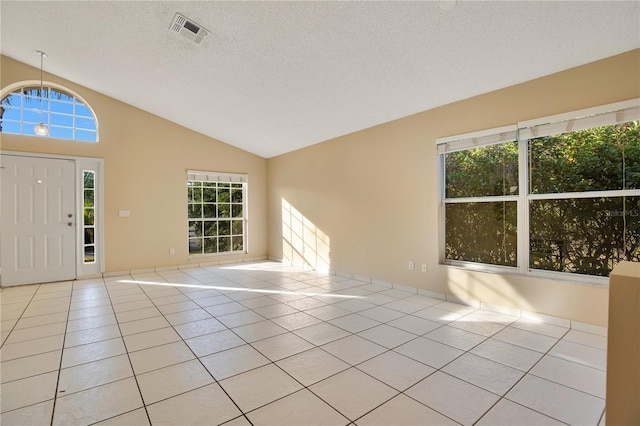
493	316
586	339
6	326
41	320
484	373
225	309
354	305
187	316
526	339
582	354
166	300
37	414
328	312
214	342
83	303
281	346
484	328
91	335
238	319
132	306
387	336
137	314
258	330
92	352
353	393
429	352
99	403
11	311
300	408
96	373
294	321
172	308
403	410
354	323
199	328
148	339
405	306
414	324
322	333
452	397
557	401
170	381
577	376
396	370
507	354
233	361
136	417
21	368
441	316
213	407
133	297
31	347
312	366
258	387
353	349
91	322
90	312
35	310
275	310
509	413
540	327
455	337
20	335
160	356
381	314
25	392
142	325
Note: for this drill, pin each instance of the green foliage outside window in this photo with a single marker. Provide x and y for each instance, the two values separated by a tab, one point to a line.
577	233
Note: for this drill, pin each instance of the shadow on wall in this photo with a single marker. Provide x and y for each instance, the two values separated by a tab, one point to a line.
303	243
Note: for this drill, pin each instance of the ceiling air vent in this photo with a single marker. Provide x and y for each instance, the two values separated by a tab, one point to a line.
188	29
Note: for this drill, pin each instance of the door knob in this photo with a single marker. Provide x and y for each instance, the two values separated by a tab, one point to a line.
69	223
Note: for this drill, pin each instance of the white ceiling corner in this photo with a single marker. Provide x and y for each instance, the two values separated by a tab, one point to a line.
273	77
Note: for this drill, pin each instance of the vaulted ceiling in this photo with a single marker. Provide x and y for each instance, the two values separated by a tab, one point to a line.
273	77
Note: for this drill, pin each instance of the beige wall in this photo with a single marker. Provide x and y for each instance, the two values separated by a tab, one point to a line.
373	194
146	158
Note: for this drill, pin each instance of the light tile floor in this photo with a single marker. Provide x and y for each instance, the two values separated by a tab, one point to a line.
266	344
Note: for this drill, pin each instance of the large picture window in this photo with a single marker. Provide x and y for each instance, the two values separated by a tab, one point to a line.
216	205
555	195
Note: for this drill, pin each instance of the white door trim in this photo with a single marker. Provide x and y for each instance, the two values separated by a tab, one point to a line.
81	164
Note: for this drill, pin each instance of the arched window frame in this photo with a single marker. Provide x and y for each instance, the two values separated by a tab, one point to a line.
56	87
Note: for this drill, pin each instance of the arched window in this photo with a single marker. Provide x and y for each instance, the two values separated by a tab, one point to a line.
66	114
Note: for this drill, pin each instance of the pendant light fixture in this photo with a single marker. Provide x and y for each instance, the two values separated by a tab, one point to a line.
41	129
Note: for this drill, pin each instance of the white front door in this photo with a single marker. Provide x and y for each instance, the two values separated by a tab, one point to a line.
38	223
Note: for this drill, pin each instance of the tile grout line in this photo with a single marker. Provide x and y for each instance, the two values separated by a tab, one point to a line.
135	377
194	354
64	338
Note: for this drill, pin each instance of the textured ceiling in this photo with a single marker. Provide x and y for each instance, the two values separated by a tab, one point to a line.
277	76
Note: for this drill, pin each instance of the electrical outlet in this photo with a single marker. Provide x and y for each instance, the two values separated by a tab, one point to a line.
411	265
172	250
424	267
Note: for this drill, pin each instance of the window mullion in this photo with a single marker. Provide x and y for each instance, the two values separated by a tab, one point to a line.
523	205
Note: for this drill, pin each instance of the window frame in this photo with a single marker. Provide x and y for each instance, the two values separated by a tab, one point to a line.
49	86
598	115
228	178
